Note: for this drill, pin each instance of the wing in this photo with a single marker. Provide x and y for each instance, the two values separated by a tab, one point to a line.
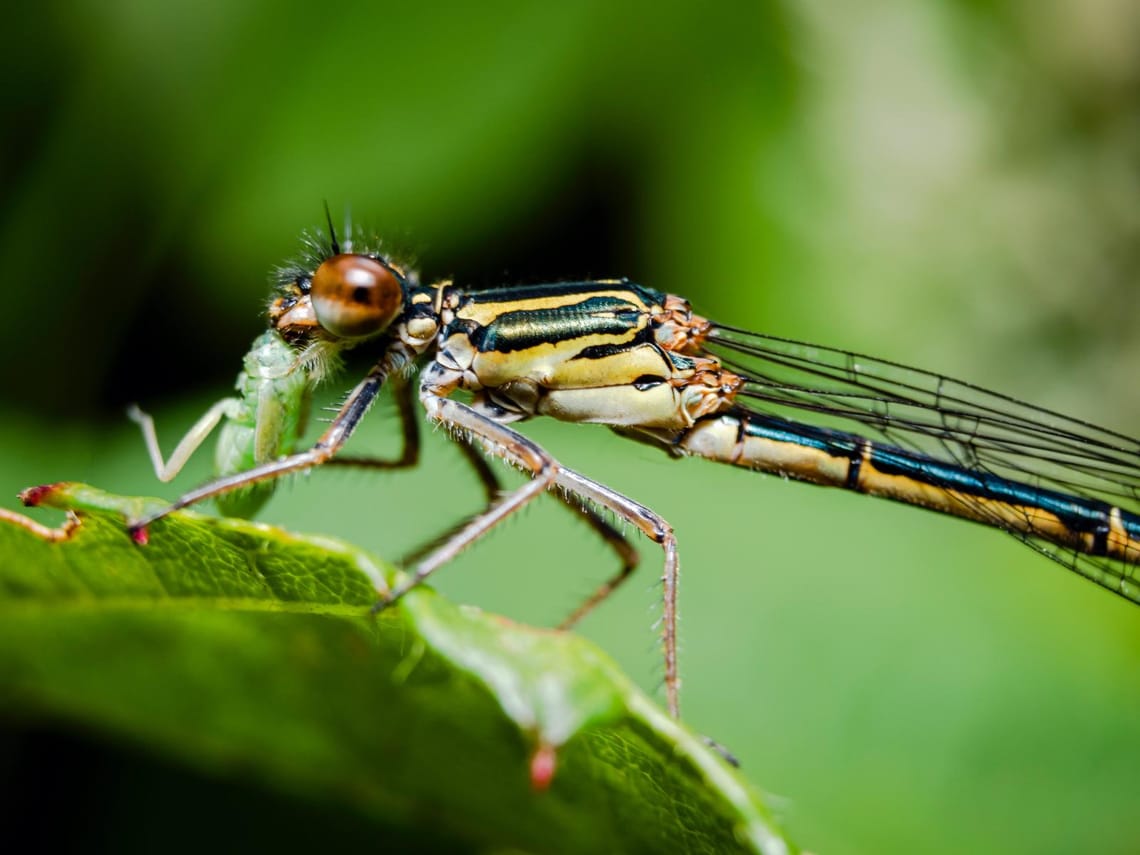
946	419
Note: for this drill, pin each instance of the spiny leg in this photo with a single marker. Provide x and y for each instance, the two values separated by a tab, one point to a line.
575	484
491	488
515	448
625	551
507	443
659	531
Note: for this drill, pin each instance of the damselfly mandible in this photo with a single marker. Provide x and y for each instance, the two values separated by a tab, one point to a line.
642	362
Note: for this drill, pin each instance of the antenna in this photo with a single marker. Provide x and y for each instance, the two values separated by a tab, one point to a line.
332	229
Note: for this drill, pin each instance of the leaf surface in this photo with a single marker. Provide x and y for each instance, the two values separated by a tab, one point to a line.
244	650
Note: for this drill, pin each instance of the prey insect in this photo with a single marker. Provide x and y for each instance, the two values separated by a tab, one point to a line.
642	362
263	422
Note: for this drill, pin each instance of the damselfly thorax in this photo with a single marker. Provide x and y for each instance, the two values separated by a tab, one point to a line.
617	353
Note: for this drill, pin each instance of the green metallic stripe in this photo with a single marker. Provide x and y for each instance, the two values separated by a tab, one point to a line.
528	328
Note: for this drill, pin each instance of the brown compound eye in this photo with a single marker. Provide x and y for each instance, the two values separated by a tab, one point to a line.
355	296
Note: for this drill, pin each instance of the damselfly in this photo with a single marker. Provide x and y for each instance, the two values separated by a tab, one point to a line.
642	362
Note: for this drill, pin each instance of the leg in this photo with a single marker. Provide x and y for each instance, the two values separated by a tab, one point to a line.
659	531
516	448
409	430
627	555
491	487
186	447
508	443
402	392
505	442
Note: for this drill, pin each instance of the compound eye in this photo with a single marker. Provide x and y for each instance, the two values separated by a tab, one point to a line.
355	296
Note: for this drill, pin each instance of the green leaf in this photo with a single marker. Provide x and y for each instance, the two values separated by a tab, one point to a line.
243	650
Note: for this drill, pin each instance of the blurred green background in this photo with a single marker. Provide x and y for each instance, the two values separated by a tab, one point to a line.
951	185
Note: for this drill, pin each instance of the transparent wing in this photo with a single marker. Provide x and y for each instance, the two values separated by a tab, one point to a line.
945	419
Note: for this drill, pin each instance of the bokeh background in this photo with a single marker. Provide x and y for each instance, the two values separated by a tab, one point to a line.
952	185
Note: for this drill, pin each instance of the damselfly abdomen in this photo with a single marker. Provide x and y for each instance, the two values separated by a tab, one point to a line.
642	362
